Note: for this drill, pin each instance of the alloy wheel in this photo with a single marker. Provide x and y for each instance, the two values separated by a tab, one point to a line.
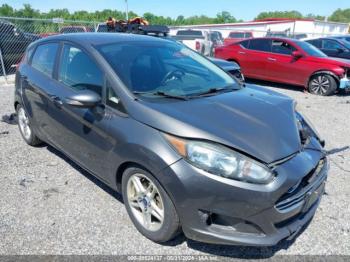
23	122
145	202
320	85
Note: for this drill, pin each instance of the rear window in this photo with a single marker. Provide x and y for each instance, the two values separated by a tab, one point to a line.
260	45
189	32
44	58
240	35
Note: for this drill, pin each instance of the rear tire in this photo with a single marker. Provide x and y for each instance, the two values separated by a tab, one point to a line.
149	206
25	128
322	84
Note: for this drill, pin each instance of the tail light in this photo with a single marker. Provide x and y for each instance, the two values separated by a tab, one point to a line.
198	45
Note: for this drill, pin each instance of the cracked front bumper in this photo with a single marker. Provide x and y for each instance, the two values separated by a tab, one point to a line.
246	214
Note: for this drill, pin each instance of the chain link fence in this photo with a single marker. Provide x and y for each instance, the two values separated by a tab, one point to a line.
17	33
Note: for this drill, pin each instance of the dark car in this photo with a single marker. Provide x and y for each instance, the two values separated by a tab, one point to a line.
230	67
13	43
289	61
190	149
333	47
75	29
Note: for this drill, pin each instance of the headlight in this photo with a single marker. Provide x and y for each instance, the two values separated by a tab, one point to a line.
221	161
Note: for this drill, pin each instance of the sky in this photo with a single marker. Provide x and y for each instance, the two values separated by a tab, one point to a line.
241	9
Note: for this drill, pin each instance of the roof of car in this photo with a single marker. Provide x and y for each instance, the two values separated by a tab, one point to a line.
89	39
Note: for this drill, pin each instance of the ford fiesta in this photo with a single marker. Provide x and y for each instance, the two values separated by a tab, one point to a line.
190	149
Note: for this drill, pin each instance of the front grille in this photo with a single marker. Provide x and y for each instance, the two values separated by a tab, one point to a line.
296	194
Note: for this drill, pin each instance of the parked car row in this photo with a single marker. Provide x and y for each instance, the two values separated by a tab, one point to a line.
202	41
293	61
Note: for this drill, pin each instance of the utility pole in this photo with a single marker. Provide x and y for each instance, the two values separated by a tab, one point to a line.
127	10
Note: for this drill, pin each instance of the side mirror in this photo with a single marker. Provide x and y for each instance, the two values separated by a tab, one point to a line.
297	54
84	99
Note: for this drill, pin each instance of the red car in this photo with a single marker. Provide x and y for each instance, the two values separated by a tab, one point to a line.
288	61
237	36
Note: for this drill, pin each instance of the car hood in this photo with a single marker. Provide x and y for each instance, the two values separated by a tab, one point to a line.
252	120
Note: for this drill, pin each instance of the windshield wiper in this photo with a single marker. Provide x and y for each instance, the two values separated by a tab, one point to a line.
212	91
162	94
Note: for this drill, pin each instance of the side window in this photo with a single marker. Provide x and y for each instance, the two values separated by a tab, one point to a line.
79	71
282	47
331	45
245	43
316	43
44	58
260	45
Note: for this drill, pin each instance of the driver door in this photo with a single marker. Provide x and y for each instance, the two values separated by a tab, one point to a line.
81	133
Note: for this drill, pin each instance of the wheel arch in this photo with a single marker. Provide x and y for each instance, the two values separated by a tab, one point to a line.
327	72
124	166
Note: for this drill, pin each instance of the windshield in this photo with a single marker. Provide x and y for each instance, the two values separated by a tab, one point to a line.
164	66
310	49
345	43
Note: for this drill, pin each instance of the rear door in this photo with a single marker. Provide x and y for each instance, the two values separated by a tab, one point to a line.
37	86
80	132
253	57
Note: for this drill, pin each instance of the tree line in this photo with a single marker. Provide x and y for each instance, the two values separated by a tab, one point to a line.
340	15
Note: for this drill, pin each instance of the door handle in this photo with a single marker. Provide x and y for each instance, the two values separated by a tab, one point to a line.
56	101
242	53
271	59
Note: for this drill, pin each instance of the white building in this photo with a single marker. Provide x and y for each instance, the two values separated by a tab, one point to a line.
307	27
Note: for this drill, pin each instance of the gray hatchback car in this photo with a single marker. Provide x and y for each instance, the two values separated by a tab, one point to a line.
190	148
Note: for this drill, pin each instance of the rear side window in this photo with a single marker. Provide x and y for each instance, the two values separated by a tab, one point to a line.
44	58
245	43
331	44
79	71
260	45
316	43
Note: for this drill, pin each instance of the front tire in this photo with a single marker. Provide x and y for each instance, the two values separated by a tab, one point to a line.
322	84
149	206
25	127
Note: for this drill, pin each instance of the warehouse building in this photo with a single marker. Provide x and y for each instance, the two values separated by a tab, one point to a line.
277	27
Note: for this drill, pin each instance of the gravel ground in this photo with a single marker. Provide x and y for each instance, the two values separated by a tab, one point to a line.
48	205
